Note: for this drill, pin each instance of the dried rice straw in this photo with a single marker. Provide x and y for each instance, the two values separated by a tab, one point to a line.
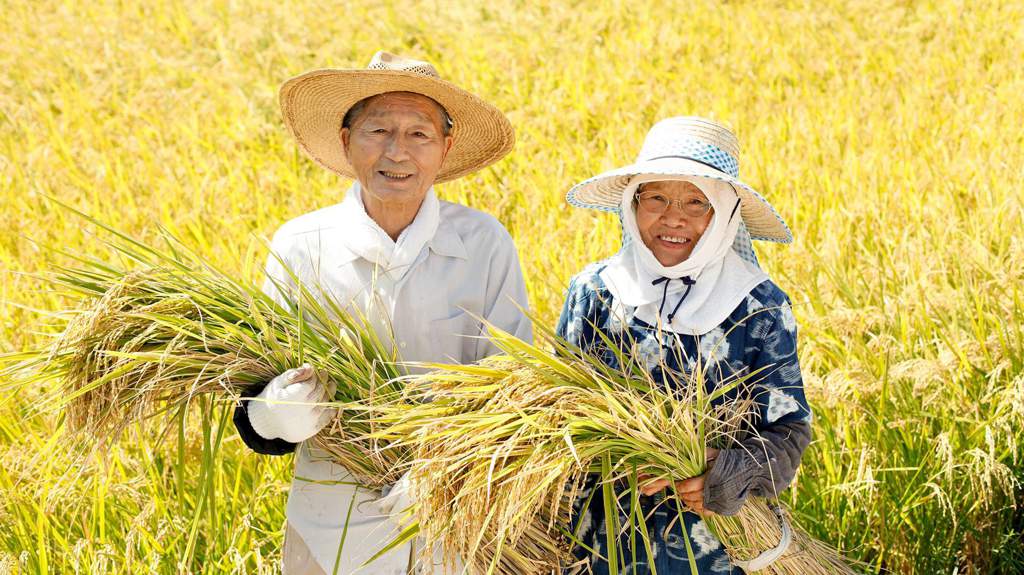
501	449
168	328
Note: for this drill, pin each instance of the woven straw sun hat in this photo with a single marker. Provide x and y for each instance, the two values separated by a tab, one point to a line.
686	146
314	105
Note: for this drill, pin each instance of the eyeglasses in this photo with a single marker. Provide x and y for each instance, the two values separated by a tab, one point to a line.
658	203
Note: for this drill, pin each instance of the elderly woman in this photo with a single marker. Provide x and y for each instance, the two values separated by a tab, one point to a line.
686	290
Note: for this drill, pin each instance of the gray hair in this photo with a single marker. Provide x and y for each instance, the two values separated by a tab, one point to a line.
357	109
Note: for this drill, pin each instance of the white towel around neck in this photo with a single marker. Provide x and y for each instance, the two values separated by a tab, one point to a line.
722	278
369	241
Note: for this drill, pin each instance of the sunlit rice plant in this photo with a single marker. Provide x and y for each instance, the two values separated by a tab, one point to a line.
502	449
885	134
164	327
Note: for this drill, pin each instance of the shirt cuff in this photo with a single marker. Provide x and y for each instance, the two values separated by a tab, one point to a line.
728	480
250	437
762	466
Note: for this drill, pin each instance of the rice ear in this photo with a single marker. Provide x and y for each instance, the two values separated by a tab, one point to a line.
154	335
504	449
518	435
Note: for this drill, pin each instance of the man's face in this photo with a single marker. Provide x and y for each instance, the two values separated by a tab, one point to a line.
396	146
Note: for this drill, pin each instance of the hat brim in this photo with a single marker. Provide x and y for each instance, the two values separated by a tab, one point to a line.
314	105
604	192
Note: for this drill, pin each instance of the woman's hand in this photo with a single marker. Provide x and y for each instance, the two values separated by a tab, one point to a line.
691	490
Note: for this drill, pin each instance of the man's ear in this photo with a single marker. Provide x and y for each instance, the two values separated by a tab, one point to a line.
447	147
345	134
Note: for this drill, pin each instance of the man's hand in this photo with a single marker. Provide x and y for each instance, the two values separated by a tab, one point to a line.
691	490
399	501
287	409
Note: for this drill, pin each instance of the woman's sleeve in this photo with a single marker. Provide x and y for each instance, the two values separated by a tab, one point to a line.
765	463
575	324
568	311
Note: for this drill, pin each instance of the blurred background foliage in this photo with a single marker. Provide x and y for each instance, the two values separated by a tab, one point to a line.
889	135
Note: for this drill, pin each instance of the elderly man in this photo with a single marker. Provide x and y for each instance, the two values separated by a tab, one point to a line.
423	271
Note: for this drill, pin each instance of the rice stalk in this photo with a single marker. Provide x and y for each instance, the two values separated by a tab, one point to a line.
502	449
164	327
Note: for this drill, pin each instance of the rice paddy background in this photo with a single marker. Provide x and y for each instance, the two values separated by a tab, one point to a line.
888	134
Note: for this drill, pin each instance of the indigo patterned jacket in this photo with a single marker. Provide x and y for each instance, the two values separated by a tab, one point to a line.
759	334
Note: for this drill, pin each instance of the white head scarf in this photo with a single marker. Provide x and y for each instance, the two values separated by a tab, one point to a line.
696	295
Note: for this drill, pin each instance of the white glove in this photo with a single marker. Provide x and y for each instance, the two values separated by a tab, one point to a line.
397	502
286	408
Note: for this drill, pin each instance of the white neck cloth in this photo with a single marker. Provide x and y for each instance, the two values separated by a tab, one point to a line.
717	279
369	241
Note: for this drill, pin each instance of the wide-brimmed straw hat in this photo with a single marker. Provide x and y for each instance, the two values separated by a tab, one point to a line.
315	103
686	146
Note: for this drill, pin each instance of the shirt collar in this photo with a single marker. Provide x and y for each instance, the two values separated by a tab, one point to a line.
446	241
344	256
352	215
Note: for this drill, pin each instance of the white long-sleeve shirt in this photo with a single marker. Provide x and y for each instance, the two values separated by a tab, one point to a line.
452	265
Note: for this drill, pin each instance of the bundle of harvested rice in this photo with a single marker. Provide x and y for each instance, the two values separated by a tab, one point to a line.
154	335
501	449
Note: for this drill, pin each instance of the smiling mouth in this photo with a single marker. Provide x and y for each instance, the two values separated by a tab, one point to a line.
395	176
675	240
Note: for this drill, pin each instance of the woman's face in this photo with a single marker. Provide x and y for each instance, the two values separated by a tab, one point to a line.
671	216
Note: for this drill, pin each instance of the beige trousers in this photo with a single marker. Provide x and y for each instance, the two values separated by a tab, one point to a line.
296	558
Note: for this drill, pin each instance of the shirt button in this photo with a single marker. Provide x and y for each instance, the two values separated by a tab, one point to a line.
402	345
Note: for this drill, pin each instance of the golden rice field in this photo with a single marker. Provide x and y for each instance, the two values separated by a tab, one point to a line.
889	134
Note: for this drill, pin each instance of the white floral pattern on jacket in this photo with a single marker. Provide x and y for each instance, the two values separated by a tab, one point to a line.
760	334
